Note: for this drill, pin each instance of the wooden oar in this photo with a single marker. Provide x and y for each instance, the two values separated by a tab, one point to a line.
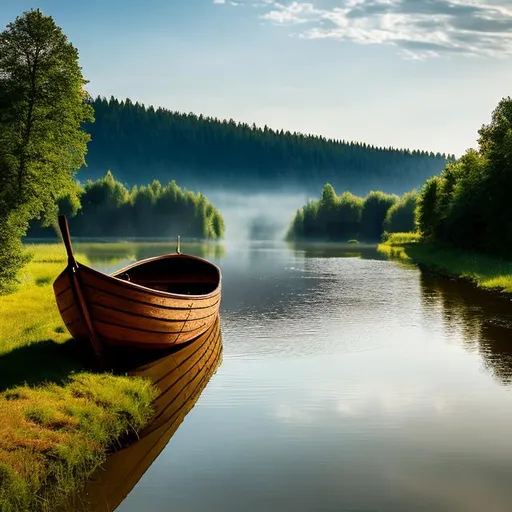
74	279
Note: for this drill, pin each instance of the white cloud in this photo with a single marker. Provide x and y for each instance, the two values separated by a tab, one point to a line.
219	1
296	12
419	28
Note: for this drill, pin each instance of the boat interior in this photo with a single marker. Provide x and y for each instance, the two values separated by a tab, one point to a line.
174	274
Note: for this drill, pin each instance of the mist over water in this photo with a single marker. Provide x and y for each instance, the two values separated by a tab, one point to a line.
259	216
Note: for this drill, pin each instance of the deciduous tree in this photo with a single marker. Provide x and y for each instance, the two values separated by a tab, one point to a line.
42	108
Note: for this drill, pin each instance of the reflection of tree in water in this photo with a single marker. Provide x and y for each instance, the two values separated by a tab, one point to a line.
202	249
112	253
333	250
484	321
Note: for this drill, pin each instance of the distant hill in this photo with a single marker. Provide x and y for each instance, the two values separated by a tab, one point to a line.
139	143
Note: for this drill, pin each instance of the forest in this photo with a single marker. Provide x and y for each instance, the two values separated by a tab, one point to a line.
466	207
139	143
349	217
106	208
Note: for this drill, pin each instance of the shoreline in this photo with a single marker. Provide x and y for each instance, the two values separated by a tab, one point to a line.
59	416
485	272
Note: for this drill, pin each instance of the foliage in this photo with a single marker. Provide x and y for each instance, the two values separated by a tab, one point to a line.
140	143
42	107
376	206
467	206
402	238
343	217
12	255
401	216
109	209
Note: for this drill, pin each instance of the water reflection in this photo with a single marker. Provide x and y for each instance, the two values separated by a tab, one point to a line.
180	377
483	322
349	383
336	250
110	256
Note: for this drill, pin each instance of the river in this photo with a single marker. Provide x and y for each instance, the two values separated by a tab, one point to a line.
347	383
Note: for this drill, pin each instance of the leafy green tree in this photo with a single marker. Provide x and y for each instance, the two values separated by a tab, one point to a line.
109	209
496	138
329	197
496	147
42	145
400	218
350	208
375	208
427	210
332	217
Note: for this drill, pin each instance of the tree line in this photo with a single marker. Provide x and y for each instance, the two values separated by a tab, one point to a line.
106	208
347	216
467	206
138	142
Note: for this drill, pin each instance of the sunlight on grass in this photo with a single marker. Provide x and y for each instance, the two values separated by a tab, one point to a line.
484	271
53	437
402	238
31	314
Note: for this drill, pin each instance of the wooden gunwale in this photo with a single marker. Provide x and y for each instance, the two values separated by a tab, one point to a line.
139	289
160	292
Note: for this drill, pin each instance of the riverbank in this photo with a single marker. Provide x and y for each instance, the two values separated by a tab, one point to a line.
486	272
58	417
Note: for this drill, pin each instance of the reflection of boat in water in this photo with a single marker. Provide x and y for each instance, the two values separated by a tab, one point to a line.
154	303
180	377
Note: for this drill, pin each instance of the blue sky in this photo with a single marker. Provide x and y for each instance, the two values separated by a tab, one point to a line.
406	73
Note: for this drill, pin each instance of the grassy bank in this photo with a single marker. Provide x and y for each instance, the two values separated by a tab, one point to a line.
58	417
484	271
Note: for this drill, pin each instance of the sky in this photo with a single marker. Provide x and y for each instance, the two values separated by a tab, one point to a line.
421	74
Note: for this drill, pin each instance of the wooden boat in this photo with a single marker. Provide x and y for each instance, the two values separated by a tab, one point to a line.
181	378
154	303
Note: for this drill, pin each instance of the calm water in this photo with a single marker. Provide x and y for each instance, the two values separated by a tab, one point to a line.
347	383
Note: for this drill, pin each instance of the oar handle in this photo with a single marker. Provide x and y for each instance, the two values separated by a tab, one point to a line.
66	238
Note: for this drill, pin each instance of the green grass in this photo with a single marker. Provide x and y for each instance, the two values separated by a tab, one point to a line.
58	417
30	315
486	272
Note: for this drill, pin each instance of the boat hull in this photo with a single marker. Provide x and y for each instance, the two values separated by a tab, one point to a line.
123	313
